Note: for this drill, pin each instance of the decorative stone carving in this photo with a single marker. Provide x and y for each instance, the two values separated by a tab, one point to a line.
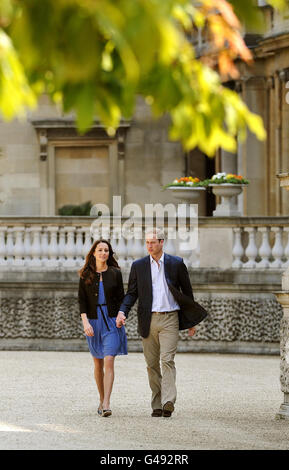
283	298
239	319
43	141
121	143
284	355
270	83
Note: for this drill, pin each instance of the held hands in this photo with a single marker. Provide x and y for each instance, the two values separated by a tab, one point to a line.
120	320
192	331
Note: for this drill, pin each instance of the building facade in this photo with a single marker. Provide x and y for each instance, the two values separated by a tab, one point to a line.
45	166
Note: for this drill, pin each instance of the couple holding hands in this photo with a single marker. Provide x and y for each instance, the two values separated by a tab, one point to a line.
161	284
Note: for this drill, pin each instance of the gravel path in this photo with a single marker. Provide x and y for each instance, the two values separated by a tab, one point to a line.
49	400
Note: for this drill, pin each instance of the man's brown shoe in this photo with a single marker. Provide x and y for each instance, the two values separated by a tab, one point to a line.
157	413
168	408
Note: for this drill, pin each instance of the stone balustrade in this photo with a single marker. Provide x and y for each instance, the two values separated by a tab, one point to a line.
61	243
234	268
268	247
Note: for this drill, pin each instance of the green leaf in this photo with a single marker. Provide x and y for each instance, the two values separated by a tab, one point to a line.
84	107
15	93
95	57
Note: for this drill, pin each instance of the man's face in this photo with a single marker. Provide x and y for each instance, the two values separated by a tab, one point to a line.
154	246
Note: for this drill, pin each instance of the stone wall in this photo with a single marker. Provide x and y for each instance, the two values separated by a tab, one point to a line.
27	182
40	311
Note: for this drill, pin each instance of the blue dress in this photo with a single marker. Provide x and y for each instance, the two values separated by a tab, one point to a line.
108	340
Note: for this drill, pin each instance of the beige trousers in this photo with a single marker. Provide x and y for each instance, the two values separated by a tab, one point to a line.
161	345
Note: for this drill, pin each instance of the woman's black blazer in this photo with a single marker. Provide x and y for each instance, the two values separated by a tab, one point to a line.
113	289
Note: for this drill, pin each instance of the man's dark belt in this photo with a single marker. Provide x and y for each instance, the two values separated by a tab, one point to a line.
163	313
103	315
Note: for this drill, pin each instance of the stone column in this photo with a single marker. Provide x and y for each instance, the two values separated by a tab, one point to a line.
283	299
228	162
254	154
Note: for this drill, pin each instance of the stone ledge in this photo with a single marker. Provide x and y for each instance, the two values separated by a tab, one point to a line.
251	279
203	221
222	347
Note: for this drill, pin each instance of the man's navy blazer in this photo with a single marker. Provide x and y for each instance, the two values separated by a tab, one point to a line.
140	287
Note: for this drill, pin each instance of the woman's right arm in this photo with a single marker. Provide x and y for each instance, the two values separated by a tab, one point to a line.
88	330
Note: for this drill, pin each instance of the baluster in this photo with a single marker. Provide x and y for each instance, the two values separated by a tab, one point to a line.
116	228
69	249
188	233
115	241
189	249
184	250
52	251
144	247
129	248
170	247
251	250
194	260
105	233
127	234
18	250
79	246
35	262
61	247
44	246
238	250
265	248
143	241
95	232
9	246
115	235
277	250
27	245
122	252
286	251
87	242
137	247
3	252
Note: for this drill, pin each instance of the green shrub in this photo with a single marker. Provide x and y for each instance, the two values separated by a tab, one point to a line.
70	209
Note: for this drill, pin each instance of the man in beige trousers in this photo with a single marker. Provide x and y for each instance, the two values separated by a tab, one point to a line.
156	281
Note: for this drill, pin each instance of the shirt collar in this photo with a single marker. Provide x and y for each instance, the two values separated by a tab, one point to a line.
161	260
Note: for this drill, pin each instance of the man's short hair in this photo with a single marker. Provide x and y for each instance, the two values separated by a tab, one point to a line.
158	232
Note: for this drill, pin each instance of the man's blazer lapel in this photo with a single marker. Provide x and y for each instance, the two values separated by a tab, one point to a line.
167	268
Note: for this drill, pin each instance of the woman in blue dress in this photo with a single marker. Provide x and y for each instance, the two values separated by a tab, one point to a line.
100	294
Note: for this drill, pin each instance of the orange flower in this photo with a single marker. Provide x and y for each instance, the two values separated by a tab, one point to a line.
187	179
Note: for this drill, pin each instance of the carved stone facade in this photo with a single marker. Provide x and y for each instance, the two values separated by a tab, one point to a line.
47	314
142	158
29	182
284	354
263	86
57	316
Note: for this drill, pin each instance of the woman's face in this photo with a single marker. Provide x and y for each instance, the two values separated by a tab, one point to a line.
101	252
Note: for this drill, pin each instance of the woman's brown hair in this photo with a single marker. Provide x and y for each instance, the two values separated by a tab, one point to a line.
89	269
